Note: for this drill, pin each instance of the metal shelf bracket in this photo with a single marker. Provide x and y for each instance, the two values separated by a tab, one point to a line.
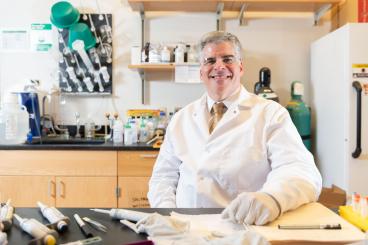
319	13
219	11
241	14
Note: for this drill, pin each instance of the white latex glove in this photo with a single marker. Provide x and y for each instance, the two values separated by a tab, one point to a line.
241	238
159	225
252	208
3	238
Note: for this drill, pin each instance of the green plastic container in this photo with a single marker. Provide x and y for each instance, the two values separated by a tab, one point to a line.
81	31
64	15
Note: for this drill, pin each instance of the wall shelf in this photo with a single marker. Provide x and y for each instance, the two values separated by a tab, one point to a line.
159	66
230	5
151	66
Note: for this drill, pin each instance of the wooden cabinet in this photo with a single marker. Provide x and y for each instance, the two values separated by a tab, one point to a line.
86	192
104	179
61	178
25	191
134	171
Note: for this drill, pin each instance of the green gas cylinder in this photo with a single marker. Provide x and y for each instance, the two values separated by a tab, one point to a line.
300	113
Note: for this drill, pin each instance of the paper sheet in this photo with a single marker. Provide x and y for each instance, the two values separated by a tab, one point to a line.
187	73
313	213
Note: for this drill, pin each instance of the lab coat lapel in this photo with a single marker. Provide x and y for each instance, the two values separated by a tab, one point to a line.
200	116
244	102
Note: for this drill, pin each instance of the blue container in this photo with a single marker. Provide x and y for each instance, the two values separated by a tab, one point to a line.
30	101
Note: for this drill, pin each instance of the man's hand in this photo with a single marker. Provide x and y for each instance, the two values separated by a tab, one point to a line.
252	208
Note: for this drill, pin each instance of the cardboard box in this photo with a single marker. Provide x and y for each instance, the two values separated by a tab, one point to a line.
332	197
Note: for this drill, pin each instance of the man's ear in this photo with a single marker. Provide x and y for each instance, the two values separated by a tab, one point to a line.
241	67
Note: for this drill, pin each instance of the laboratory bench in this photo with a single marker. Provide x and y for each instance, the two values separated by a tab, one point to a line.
103	175
107	146
117	233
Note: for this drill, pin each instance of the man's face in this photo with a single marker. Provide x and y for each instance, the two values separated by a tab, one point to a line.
220	70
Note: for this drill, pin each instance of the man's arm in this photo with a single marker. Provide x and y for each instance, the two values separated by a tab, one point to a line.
165	176
294	179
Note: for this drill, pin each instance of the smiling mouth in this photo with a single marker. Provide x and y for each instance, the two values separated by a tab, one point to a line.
220	76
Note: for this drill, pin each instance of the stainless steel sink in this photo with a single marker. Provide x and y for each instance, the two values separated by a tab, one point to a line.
70	141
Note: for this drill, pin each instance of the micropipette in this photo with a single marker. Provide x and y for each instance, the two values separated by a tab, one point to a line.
6	215
123	214
54	216
37	230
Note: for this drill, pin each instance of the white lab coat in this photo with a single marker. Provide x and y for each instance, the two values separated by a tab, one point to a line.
254	147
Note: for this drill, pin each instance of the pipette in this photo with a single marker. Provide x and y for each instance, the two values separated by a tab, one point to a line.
6	215
54	216
86	80
37	230
78	45
123	214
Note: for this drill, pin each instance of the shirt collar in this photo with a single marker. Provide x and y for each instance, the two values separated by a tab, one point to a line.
228	101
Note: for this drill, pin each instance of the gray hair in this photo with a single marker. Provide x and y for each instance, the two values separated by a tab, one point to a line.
219	37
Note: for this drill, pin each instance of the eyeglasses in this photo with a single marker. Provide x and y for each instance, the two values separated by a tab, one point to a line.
227	59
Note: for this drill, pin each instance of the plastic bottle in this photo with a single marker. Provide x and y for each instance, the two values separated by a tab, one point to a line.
118	132
192	54
143	133
179	53
14	121
128	134
162	122
165	55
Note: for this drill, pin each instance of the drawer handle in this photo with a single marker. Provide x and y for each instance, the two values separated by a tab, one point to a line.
52	187
148	155
61	189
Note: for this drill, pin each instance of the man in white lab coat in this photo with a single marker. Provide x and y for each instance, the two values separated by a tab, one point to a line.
251	161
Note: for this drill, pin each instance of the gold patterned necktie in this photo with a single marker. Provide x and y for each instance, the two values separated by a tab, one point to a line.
217	111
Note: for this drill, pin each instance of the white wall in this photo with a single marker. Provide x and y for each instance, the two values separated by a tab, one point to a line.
282	44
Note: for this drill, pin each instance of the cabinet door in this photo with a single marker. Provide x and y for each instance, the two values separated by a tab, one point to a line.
86	192
25	191
133	192
136	163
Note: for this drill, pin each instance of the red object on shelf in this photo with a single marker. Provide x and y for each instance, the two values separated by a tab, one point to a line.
362	10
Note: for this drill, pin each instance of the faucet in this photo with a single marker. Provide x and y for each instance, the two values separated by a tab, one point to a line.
44	130
77	118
